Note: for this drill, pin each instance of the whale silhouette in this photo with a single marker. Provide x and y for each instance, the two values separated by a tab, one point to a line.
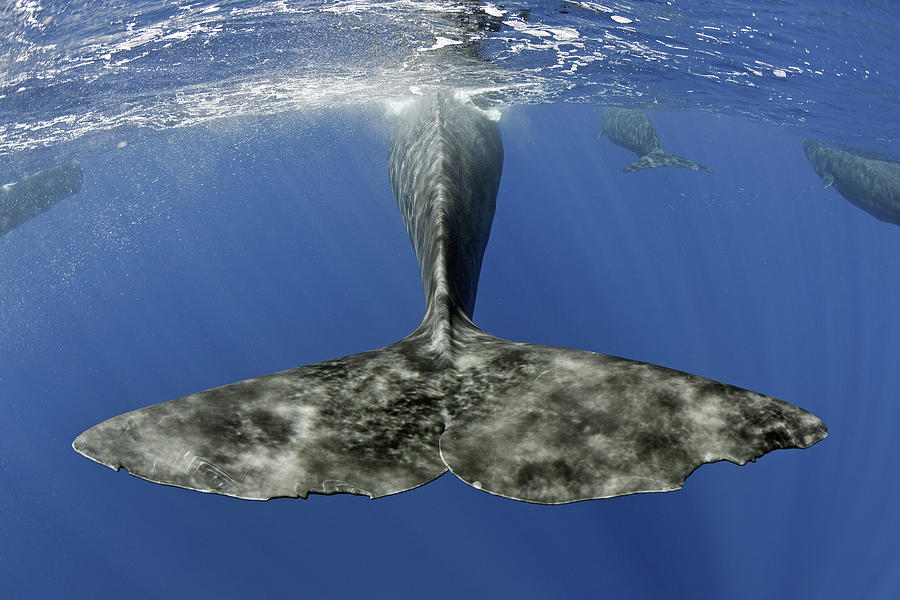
529	422
870	183
30	196
631	129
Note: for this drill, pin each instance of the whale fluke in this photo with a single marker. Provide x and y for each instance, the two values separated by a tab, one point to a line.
560	425
530	422
631	129
661	158
365	424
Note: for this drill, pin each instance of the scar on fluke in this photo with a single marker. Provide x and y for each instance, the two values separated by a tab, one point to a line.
524	421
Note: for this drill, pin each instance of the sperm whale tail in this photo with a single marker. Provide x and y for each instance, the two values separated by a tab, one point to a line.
529	422
524	421
661	158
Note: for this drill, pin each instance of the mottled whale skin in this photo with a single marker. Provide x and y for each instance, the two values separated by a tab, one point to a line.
871	184
535	423
32	195
631	129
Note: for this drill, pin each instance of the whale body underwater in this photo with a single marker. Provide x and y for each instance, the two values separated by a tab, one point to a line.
871	184
529	422
33	194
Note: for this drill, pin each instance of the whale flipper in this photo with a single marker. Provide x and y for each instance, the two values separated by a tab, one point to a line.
365	424
556	425
661	158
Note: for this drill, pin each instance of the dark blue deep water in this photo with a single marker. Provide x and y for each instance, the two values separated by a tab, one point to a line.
236	219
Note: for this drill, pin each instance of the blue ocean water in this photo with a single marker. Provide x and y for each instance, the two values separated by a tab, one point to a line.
235	219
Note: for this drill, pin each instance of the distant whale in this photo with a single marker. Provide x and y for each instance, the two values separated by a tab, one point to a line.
631	129
32	195
534	423
870	183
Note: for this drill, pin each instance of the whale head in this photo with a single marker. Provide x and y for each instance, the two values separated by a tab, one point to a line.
811	147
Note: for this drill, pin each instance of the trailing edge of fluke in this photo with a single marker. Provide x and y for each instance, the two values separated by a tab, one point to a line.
524	421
